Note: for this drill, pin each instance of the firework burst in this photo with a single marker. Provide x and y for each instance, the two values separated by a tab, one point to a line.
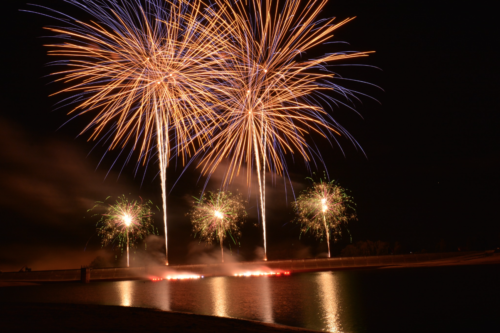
125	222
147	73
272	98
323	208
217	216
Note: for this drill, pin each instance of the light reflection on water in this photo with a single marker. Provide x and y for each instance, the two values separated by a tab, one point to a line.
329	302
162	296
218	291
266	305
125	290
248	298
347	301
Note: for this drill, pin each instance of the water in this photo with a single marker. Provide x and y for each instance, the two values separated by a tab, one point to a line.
441	299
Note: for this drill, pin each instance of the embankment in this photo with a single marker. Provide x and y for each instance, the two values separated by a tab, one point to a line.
293	266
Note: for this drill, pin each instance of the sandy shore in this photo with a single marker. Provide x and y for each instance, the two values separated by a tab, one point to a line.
24	317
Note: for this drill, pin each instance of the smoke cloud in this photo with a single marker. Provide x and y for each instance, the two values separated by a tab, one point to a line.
46	188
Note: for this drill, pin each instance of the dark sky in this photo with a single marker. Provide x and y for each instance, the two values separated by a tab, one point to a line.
432	144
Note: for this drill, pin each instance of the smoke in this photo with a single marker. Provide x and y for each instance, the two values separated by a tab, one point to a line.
276	186
155	253
201	253
302	251
51	176
259	253
47	185
45	257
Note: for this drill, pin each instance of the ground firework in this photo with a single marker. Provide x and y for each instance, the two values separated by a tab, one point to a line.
217	216
323	208
125	222
271	100
146	72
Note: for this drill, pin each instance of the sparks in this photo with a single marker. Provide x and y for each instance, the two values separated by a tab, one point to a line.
123	220
323	209
264	117
218	216
114	70
127	219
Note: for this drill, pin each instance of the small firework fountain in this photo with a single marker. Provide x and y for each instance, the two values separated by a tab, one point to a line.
323	208
126	222
216	216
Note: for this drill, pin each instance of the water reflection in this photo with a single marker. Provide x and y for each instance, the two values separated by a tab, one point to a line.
218	289
328	291
125	290
266	305
352	301
162	295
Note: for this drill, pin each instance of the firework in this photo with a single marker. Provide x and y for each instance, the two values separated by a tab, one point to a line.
270	100
124	220
323	208
217	216
145	73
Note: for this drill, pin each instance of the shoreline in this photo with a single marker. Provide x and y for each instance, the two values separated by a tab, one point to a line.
56	317
297	266
466	260
87	275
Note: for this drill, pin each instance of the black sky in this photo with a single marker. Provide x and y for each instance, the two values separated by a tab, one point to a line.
432	145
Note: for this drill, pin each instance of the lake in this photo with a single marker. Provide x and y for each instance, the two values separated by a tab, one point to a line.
434	299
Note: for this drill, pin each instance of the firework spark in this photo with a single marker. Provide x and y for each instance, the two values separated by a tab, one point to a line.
146	74
271	99
218	216
323	208
124	220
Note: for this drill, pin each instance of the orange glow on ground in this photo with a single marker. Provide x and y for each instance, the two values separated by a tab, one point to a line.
155	279
258	273
183	277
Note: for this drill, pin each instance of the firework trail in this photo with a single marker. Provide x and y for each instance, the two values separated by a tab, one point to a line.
272	99
323	208
218	216
146	73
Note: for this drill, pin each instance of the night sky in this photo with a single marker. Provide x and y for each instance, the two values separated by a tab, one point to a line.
432	143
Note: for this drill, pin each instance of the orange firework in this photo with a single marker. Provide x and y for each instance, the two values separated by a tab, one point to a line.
270	101
147	74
